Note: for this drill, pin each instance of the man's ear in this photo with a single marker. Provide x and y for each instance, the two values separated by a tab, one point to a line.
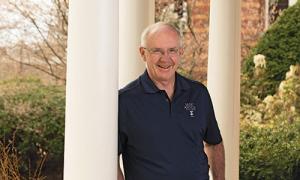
142	53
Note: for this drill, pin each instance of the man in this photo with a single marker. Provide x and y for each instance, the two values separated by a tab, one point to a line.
165	118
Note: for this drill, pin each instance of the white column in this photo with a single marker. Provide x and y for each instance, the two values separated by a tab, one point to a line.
224	74
92	83
134	16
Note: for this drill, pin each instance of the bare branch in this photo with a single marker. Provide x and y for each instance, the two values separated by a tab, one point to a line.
46	59
38	68
45	52
26	15
190	26
61	11
51	73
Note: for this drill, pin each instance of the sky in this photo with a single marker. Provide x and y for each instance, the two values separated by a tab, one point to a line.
14	27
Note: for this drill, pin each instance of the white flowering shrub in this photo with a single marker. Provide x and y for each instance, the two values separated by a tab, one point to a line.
177	14
270	129
285	103
259	61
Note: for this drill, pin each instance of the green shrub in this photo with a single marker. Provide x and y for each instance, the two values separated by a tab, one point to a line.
281	47
34	113
270	152
270	131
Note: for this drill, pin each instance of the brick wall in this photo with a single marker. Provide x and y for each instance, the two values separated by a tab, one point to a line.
252	23
194	62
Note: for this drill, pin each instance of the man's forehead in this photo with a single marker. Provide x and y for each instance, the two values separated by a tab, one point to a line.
166	36
162	30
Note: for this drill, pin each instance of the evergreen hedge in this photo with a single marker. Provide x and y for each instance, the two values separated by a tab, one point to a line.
281	47
270	152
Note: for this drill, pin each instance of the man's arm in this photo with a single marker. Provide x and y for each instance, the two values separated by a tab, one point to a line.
216	160
120	174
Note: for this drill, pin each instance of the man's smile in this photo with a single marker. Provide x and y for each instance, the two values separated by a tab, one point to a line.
165	67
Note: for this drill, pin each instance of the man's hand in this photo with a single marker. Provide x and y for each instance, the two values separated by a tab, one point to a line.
216	160
120	174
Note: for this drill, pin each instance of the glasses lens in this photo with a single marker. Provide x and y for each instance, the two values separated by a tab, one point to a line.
160	52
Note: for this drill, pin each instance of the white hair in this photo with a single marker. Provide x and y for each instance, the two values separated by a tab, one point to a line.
156	26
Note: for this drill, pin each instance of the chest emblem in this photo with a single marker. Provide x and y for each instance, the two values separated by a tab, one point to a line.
191	108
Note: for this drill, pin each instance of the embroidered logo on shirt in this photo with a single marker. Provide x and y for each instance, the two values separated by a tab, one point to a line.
191	108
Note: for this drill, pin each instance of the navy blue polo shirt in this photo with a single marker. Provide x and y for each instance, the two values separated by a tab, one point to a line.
161	139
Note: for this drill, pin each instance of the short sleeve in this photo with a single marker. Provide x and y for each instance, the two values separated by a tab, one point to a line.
212	134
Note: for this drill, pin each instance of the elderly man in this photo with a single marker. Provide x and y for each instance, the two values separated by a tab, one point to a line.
166	121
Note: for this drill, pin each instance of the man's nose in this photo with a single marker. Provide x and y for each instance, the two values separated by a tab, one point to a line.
165	55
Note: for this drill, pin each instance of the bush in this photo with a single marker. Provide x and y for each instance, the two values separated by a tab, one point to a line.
270	131
10	167
285	104
270	152
281	47
35	113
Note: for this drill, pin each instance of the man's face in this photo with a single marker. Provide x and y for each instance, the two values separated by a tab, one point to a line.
162	54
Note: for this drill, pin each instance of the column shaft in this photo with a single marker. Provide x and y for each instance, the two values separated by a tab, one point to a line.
92	84
134	16
224	74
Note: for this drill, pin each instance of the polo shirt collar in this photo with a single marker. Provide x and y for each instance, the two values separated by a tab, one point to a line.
147	83
150	87
181	83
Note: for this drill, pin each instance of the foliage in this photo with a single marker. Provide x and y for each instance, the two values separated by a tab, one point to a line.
270	130
270	153
10	163
284	104
35	113
281	47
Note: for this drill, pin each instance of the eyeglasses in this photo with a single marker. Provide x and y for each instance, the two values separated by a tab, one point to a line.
158	52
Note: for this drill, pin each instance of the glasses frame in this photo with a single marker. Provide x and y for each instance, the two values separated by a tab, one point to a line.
159	52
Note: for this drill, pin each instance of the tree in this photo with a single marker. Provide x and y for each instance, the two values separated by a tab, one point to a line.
36	35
